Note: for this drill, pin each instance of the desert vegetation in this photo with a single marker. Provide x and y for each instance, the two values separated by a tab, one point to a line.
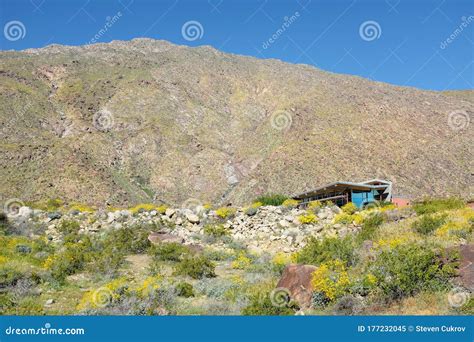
381	260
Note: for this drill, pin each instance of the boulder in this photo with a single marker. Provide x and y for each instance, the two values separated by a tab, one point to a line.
25	212
54	216
170	212
466	267
193	218
297	280
156	238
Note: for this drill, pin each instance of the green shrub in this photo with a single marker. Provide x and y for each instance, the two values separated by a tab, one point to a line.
369	226
68	227
321	251
410	268
107	262
427	224
4	225
216	230
129	239
9	275
70	260
430	206
184	289
169	251
261	304
272	199
349	208
196	268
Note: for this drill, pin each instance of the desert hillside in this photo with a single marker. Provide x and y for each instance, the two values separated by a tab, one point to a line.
146	120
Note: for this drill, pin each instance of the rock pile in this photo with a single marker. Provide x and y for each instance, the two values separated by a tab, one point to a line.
265	228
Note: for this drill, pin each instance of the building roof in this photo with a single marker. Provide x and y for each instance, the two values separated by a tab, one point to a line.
341	186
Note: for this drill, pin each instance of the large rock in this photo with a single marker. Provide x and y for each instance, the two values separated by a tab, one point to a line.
297	280
193	218
156	238
466	267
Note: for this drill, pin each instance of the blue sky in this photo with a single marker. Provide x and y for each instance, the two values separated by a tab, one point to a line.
422	43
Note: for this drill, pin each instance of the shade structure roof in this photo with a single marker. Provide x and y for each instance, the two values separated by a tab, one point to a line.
373	184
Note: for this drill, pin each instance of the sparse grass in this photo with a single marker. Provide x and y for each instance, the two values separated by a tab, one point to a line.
434	205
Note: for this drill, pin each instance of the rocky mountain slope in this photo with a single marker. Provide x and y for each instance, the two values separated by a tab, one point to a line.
144	120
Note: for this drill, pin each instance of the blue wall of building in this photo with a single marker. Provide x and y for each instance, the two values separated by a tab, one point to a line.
362	198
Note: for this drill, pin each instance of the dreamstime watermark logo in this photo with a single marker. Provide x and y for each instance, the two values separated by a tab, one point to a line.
192	30
464	24
103	120
12	206
458	120
280	297
277	34
457	297
46	330
109	22
370	30
102	297
281	120
14	30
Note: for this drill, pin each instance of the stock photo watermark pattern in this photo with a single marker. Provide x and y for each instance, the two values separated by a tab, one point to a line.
288	21
370	30
465	22
459	120
14	30
192	30
46	330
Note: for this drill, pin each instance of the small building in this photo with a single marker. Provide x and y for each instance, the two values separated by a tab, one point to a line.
361	194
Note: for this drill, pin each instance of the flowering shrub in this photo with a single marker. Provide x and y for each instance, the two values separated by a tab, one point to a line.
290	203
104	295
313	205
307	219
322	251
454	230
343	218
349	208
331	279
281	259
242	262
225	212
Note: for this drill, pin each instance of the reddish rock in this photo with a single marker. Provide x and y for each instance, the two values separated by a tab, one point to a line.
466	267
297	280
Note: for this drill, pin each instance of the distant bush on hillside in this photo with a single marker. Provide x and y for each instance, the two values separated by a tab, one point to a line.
430	206
272	199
